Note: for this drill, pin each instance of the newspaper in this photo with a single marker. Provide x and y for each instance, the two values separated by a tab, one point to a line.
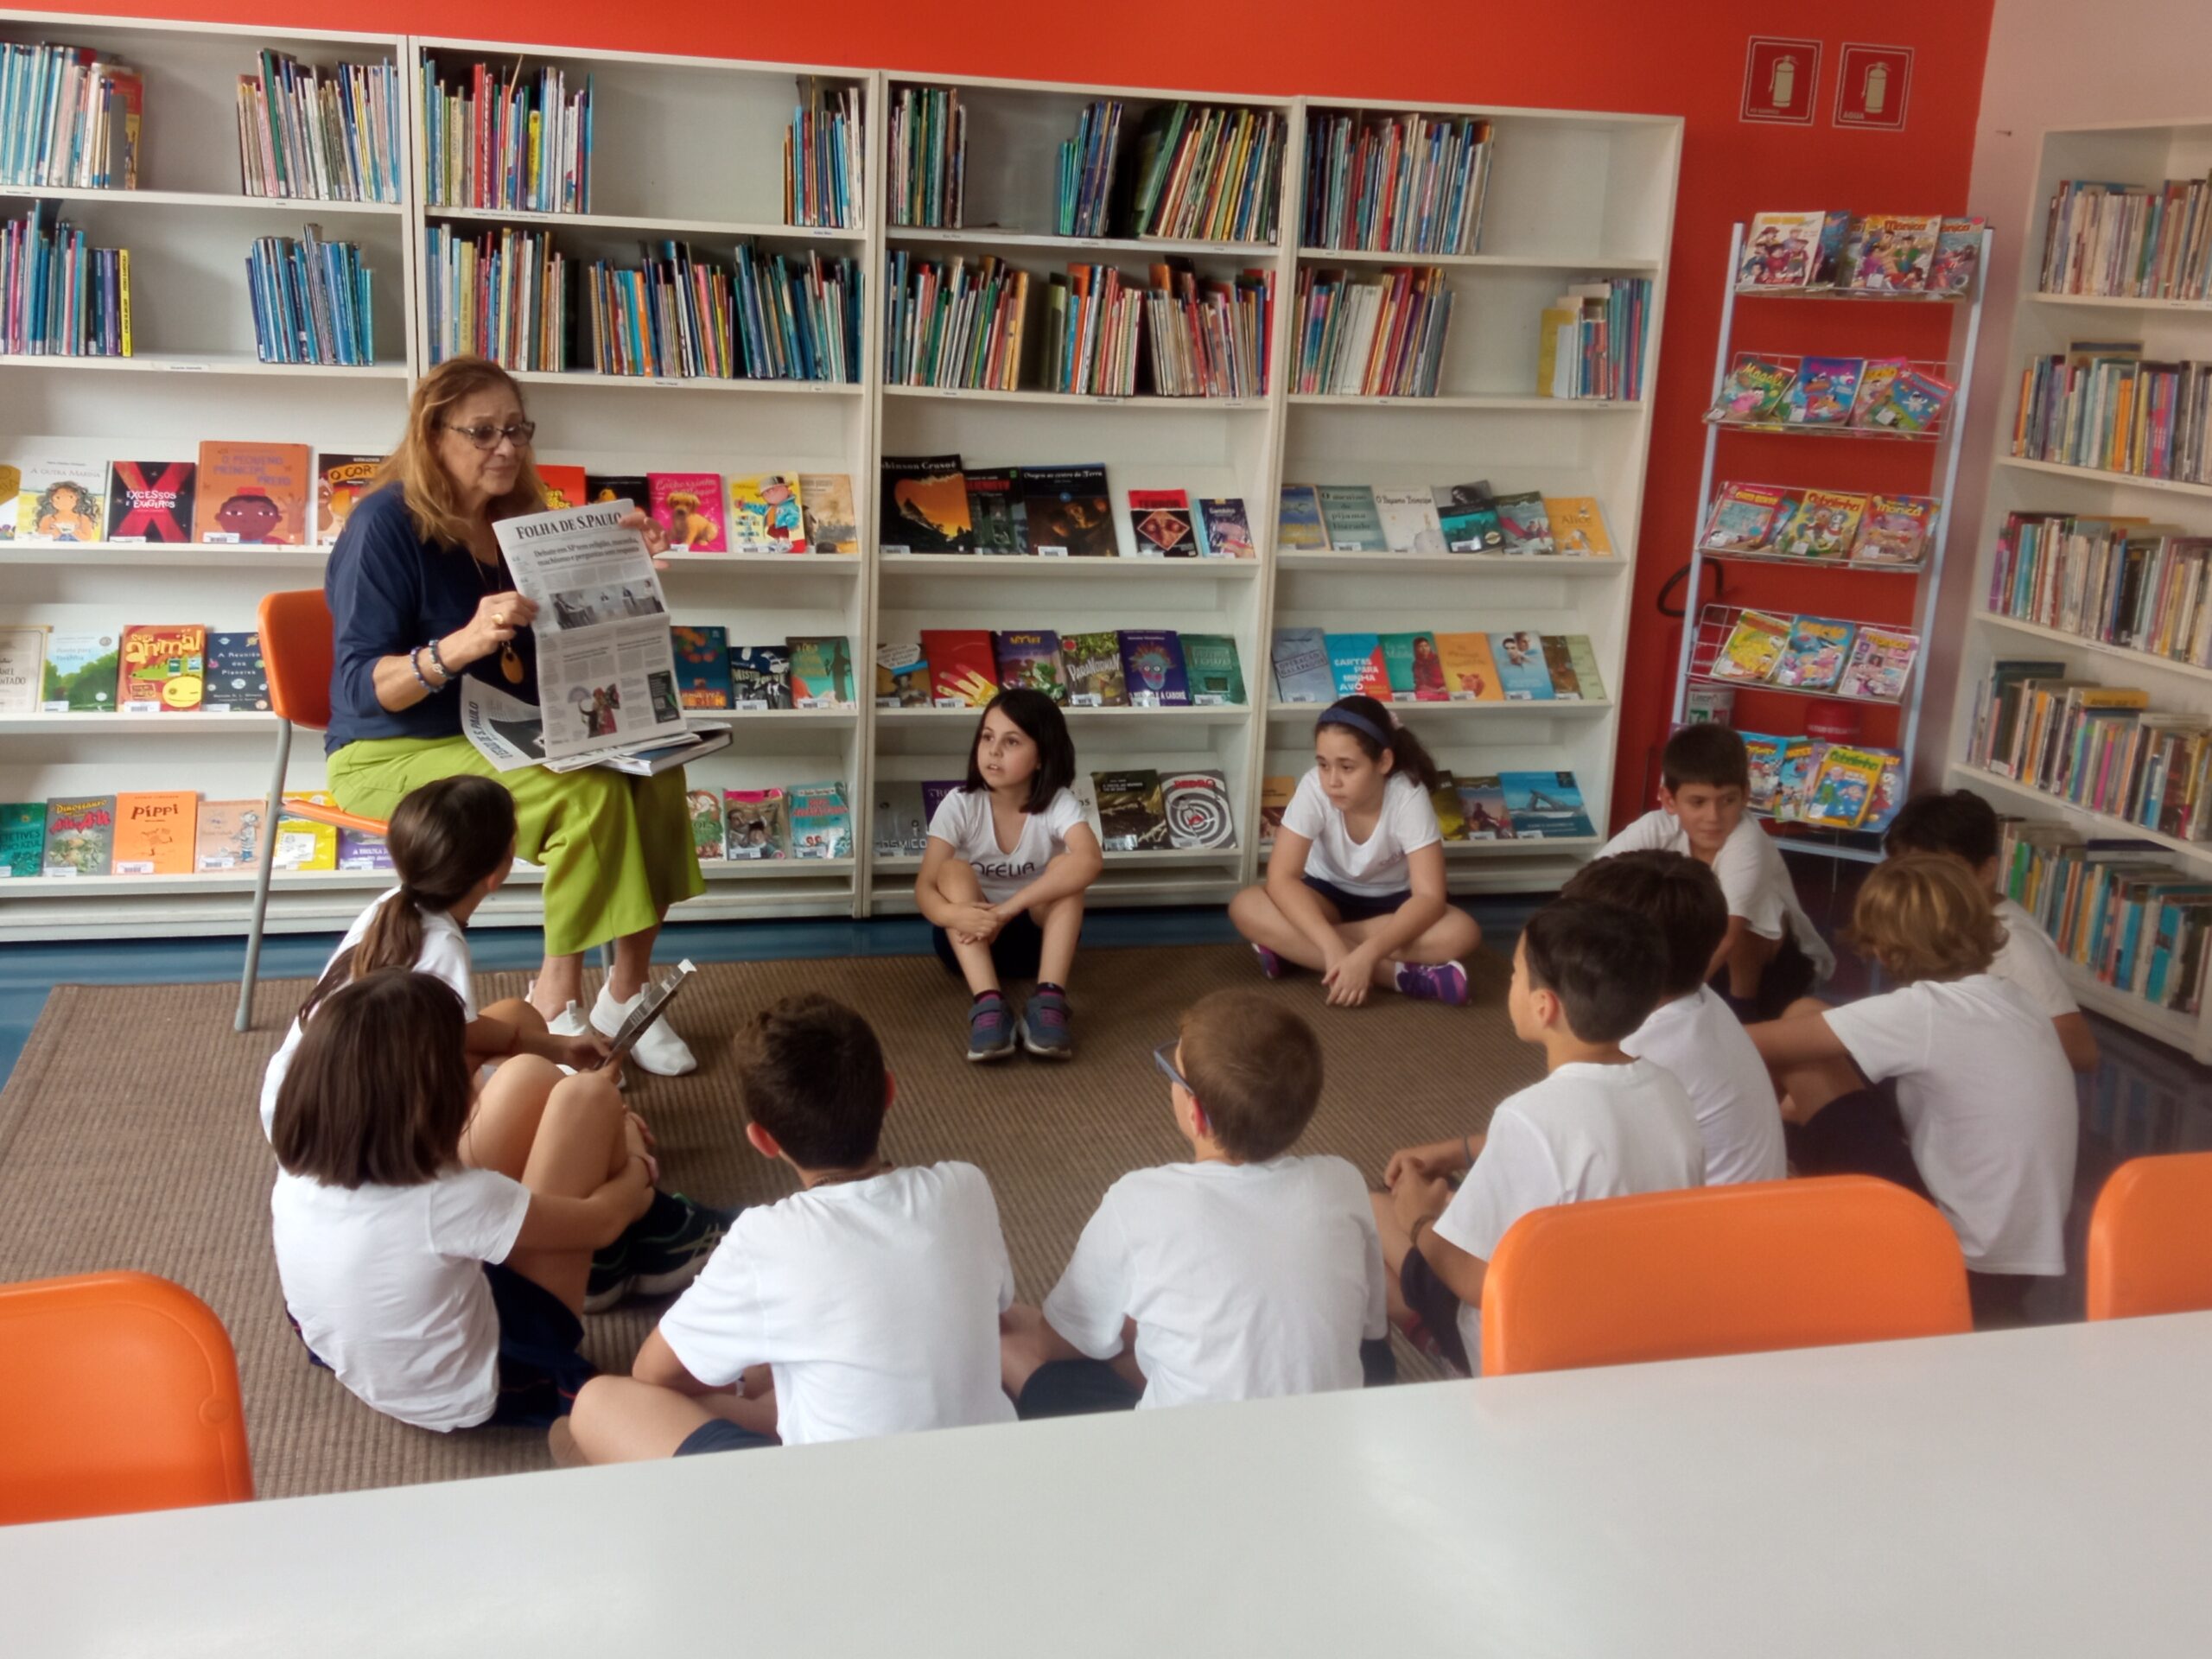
509	733
606	662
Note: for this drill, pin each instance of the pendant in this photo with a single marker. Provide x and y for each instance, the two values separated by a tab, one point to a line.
511	665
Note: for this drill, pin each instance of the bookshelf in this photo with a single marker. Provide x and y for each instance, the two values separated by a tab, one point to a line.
2043	325
690	150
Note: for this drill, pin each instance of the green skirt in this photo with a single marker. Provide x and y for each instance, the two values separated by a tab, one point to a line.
617	850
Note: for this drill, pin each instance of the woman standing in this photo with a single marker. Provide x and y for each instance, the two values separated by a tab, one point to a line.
420	596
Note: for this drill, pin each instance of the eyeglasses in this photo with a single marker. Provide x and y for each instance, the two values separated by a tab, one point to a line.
487	437
1163	1058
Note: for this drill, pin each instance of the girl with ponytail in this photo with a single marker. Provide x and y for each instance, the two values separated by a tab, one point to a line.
1355	887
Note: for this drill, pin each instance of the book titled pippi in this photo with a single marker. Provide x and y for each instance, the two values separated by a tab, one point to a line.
164	670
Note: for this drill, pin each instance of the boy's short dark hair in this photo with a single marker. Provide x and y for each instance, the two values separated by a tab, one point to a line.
811	1072
1256	1068
1705	754
1682	896
1958	822
1606	965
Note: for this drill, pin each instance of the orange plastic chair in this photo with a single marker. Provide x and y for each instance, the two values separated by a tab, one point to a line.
2150	1240
296	650
1721	1270
120	1392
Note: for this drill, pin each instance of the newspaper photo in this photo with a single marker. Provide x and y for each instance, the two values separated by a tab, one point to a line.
606	664
510	733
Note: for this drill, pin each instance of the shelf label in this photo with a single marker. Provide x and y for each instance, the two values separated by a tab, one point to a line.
754	705
186	368
142	708
1052	553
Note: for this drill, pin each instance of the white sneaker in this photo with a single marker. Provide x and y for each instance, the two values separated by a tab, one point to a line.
660	1051
570	1022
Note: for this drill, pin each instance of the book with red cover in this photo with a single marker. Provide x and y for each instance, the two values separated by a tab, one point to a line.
964	669
563	487
150	501
164	669
252	494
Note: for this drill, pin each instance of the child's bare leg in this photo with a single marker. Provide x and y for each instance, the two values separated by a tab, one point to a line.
1026	1343
620	1419
957	884
1451	938
503	1127
1747	962
580	1144
516	1012
1396	1247
1254	913
1061	921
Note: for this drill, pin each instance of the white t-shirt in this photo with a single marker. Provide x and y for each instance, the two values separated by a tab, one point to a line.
1699	1038
1585	1132
875	1304
2030	960
444	955
386	1284
1246	1281
1753	876
1988	1099
1376	866
963	819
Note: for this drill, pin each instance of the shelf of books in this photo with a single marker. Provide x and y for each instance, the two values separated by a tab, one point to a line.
1824	678
2085	703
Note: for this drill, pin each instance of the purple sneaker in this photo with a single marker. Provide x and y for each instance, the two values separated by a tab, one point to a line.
1270	963
1045	1026
990	1028
1443	981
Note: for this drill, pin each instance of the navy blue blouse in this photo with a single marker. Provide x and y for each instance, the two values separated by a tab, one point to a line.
389	591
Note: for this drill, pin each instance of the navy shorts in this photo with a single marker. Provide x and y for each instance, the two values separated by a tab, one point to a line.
1075	1388
720	1434
1359	906
1437	1303
1016	952
540	1370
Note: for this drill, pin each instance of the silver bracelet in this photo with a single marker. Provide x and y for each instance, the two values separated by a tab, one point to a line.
415	663
438	658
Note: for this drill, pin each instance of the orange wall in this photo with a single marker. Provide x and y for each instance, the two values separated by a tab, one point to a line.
1684	59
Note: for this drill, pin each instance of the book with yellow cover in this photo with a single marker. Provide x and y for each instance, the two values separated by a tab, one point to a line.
1470	670
154	832
1752	648
164	669
301	845
1578	526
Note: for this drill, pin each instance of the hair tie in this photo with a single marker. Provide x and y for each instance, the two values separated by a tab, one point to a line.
1355	722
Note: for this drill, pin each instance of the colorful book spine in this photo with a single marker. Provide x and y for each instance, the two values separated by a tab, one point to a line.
825	151
501	295
928	141
1209	338
2107	409
1372	336
1396	183
1210	173
313	301
2128	241
498	138
68	120
322	135
1086	169
1095	332
59	297
956	324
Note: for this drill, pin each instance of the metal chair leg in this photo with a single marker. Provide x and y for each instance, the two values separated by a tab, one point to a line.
264	868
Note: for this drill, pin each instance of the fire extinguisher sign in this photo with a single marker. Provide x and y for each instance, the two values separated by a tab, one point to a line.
1779	79
1870	92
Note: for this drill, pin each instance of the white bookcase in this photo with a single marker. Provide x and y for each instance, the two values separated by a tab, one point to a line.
2044	324
689	148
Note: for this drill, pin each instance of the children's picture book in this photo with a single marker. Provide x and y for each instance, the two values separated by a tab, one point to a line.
1822	526
1583	657
1161	519
1799	756
1410	523
1356	666
1894	529
153	833
1468	515
710	840
1470	670
1754	646
636	488
1151	668
701	667
1092	663
1781	251
22	838
991	511
1880	662
1298	519
1274	801
236	679
1132	816
902	829
22	668
1895	250
1745	517
1821	394
79	835
1578	526
1211	668
1832	268
84	668
902	677
1029	659
164	669
1875	379
687	505
1228	530
1522	674
302	844
822	822
1958	257
360	850
1889	792
1349	516
760	676
1528	529
1842	791
150	500
1300	657
252	494
1559	663
1915	404
826	510
1764	753
1071	516
341	480
1195	804
1813	659
924	508
1414	668
1545	805
1451	816
754	825
562	486
963	669
1481	806
766	515
226	835
1755	391
820	671
61	499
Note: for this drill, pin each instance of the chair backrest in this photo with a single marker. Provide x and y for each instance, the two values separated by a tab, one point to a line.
120	1392
296	650
2150	1238
1721	1270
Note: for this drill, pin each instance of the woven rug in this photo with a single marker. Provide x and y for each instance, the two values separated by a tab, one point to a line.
130	1138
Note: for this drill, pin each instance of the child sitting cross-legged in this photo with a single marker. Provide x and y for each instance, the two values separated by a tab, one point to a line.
872	1296
1600	1125
1242	1273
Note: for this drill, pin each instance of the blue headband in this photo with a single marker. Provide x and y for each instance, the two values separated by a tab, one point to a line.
1358	722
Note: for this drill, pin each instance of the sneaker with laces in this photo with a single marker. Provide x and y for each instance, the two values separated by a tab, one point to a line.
1045	1026
1441	981
990	1028
660	1051
1270	963
661	1252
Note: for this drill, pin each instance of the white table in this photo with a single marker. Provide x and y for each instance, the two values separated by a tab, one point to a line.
2028	1493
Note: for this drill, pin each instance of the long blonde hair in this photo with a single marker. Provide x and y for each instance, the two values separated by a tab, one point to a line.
432	503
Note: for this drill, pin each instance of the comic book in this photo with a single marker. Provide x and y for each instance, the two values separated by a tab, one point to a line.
1029	658
755	826
1752	647
1528	529
1781	251
1894	250
1823	526
164	669
1482	803
1822	392
1880	662
1813	659
1355	664
766	514
902	677
1093	665
1915	404
1578	527
1745	517
1888	793
1875	380
820	822
1152	669
1298	518
1958	257
1414	668
1838	236
1799	757
1410	524
1468	516
251	493
760	676
1894	529
1228	531
1754	391
709	839
701	667
1470	672
826	508
1842	791
1522	674
1764	754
